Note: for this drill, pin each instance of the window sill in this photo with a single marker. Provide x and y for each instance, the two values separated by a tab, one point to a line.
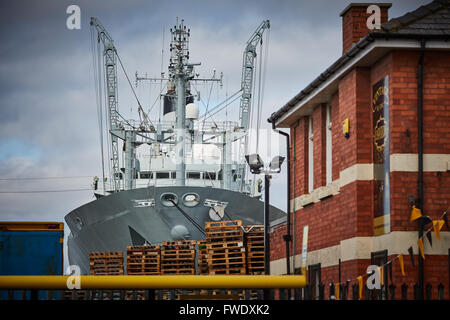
316	195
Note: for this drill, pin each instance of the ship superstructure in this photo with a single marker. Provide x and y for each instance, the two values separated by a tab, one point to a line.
168	176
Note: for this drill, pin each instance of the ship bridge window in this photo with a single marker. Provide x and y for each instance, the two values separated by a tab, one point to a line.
220	175
193	175
146	175
162	175
209	175
174	175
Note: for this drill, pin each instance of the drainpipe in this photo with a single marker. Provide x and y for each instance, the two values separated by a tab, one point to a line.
287	237
293	193
420	155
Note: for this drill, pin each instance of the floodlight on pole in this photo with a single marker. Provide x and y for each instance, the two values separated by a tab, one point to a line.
255	163
275	164
257	167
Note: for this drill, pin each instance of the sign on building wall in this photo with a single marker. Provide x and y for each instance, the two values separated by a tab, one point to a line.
305	246
380	109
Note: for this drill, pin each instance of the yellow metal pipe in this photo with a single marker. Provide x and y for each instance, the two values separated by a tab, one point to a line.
154	282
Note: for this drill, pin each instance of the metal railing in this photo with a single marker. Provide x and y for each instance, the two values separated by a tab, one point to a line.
351	292
135	287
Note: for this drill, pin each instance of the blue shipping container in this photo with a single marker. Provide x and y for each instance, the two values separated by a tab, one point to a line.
34	248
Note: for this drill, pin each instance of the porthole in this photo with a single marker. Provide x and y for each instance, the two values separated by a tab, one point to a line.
168	199
191	199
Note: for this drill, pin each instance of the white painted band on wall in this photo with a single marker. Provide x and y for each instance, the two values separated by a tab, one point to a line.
409	162
396	242
399	162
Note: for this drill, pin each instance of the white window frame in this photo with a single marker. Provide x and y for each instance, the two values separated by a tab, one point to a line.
329	147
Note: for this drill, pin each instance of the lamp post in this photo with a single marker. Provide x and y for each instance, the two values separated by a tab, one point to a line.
257	167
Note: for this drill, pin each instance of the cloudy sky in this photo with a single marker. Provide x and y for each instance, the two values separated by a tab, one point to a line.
48	118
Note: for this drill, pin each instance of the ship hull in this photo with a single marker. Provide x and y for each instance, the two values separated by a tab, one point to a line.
137	216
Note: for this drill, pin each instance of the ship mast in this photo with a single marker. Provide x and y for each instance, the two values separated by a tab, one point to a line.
182	72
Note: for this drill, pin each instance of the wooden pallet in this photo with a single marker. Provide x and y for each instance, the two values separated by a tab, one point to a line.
106	263
227	259
202	257
178	271
225	237
143	249
224	231
230	271
178	245
254	244
143	260
252	230
254	235
177	254
223	245
225	224
178	257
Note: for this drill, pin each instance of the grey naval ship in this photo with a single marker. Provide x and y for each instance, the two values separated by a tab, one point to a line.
169	176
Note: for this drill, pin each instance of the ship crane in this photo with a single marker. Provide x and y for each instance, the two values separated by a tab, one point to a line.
248	66
109	54
116	128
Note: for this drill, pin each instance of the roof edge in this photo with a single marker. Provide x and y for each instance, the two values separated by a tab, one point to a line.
341	61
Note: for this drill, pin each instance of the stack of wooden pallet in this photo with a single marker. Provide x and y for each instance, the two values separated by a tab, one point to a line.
254	244
225	245
202	257
143	260
106	263
178	257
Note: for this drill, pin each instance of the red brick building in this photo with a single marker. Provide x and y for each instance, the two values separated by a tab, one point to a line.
356	145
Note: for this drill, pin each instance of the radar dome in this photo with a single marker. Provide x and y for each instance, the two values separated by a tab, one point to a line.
192	111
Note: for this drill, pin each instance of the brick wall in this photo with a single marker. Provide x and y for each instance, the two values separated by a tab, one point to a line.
299	134
436	102
350	213
277	245
354	25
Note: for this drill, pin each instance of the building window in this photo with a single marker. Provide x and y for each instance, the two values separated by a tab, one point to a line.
310	156
329	161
